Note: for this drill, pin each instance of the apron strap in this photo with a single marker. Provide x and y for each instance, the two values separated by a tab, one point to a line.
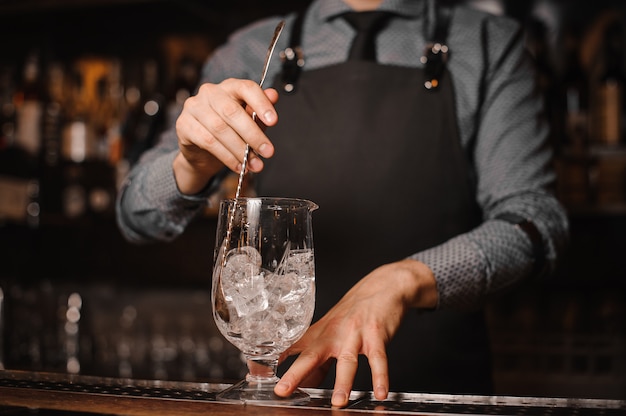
293	57
436	52
434	58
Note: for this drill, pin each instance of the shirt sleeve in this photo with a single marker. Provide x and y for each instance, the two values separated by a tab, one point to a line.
149	205
512	158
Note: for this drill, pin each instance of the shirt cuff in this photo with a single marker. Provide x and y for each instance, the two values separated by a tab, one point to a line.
458	271
473	267
166	191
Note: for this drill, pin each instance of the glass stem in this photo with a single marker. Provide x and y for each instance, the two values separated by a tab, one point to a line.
262	369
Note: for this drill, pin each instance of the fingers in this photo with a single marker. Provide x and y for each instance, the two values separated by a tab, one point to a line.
377	359
361	323
270	118
347	364
234	125
217	121
311	368
317	376
372	346
304	365
195	139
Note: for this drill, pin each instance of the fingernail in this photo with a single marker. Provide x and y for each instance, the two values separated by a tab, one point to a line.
269	116
380	393
282	387
340	398
265	150
255	164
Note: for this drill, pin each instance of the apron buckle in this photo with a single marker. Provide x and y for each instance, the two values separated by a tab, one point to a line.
434	58
293	61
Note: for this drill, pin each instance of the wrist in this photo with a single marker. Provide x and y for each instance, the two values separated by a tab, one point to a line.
420	284
189	179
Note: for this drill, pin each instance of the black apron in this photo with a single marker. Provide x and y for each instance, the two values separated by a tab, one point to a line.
381	156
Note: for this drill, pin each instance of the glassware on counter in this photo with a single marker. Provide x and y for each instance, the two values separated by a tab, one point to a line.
263	290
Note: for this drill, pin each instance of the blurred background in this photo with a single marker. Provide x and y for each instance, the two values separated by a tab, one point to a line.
87	85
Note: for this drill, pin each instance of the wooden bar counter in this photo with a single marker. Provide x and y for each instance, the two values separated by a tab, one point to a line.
27	393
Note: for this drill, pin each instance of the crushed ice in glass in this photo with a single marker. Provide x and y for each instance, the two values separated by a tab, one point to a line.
268	308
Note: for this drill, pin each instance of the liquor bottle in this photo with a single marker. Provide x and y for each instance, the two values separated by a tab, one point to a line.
51	178
53	115
29	100
575	167
7	108
608	91
575	96
185	83
89	179
19	142
147	119
2	319
111	112
537	41
76	139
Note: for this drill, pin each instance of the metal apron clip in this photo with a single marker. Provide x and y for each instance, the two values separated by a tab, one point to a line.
292	57
436	52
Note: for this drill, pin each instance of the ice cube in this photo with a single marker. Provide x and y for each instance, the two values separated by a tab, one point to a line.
243	281
300	262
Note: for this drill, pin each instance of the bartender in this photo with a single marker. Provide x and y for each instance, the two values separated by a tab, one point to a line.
419	133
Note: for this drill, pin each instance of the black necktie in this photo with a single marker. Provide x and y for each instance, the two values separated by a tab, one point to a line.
367	25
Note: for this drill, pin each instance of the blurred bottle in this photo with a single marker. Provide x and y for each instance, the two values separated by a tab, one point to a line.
89	135
77	140
107	167
575	93
29	99
53	114
184	85
78	136
147	119
1	329
19	144
51	179
7	108
608	89
546	76
111	112
575	167
106	107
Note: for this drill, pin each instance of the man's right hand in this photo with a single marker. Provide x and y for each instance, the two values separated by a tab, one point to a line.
214	128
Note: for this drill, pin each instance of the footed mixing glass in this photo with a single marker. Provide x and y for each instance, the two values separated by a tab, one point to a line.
263	289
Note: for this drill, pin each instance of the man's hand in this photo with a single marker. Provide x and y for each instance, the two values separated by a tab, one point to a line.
362	322
215	126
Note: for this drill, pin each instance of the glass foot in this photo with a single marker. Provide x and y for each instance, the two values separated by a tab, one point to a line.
261	392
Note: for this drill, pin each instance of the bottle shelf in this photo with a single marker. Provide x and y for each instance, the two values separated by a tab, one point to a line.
38	5
591	180
594	151
589	210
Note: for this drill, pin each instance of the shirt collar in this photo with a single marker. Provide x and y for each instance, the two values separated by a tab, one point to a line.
329	9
